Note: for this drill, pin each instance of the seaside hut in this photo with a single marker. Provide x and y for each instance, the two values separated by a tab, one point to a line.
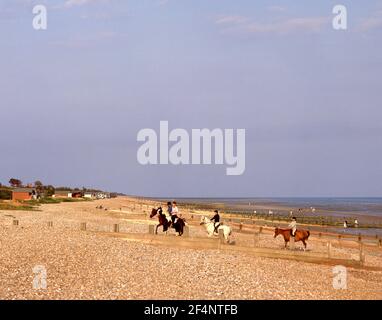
68	194
62	194
23	194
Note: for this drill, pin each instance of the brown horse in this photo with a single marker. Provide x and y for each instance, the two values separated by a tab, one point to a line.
178	225
301	235
161	218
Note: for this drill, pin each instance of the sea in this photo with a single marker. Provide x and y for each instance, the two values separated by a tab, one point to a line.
364	209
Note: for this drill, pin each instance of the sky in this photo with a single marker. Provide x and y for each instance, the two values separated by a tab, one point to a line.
73	97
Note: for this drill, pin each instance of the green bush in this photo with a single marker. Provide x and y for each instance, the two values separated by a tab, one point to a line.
5	194
49	200
9	206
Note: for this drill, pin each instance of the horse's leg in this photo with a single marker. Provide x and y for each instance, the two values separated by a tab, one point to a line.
286	240
156	229
303	241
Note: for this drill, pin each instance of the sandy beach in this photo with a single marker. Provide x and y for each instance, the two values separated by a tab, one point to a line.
97	264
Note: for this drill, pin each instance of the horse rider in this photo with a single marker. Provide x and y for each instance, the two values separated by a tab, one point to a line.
293	226
174	212
216	220
169	209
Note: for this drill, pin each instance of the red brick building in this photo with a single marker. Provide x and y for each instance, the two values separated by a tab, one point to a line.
23	193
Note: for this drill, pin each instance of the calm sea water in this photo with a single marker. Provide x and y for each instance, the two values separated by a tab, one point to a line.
361	206
367	206
364	209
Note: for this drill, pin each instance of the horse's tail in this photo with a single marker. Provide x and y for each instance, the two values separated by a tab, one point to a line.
308	232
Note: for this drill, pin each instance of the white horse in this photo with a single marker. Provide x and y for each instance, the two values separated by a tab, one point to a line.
227	231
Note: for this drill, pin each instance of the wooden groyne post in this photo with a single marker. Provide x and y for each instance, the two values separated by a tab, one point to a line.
361	254
116	227
221	238
151	229
50	223
329	247
256	238
186	231
15	222
83	226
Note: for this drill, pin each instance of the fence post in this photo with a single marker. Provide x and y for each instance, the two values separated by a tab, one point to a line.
83	226
116	227
151	229
186	231
329	245
15	222
221	236
292	246
361	254
256	238
50	223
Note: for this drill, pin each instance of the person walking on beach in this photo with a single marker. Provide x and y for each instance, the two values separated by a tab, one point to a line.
216	220
345	224
293	226
356	223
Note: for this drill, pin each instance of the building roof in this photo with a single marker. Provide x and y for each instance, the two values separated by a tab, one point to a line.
23	190
62	191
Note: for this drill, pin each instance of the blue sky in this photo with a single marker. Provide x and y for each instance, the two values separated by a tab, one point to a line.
73	97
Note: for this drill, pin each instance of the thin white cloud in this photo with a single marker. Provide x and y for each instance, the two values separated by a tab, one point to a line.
88	40
76	3
372	22
231	19
276	9
244	25
162	2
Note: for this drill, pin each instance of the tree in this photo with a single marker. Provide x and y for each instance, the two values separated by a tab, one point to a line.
39	186
15	182
49	191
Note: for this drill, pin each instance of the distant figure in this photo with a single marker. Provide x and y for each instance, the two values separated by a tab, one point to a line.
356	223
345	224
216	220
293	226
